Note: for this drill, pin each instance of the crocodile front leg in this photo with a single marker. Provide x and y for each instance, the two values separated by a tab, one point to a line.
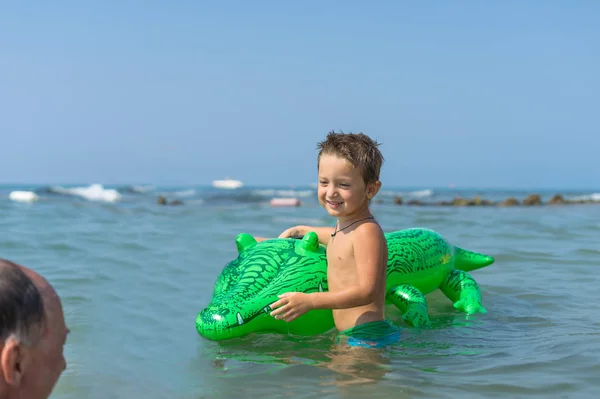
463	291
411	302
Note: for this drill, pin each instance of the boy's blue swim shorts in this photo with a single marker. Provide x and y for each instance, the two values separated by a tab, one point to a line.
376	334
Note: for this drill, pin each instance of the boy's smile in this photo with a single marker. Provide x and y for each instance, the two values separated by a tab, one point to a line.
335	204
342	190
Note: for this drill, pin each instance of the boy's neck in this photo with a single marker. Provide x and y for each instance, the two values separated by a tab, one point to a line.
365	213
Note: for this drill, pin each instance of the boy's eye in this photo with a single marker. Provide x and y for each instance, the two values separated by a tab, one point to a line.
322	182
344	185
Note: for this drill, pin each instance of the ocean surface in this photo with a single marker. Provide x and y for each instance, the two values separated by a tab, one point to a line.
133	275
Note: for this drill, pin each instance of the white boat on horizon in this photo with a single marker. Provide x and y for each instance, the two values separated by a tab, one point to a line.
227	183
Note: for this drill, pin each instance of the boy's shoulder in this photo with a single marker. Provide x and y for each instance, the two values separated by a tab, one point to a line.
369	242
370	230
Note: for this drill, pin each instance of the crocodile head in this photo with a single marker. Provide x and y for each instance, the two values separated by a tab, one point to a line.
251	282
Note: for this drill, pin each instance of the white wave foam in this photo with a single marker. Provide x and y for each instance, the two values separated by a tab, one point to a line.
421	193
417	193
94	192
589	197
284	193
142	189
23	196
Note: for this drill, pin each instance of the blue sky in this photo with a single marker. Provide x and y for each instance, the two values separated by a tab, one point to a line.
478	94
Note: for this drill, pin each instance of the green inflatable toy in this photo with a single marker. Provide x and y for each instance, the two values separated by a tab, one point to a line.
419	262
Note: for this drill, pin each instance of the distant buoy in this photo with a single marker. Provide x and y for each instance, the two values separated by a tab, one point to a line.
285	202
23	196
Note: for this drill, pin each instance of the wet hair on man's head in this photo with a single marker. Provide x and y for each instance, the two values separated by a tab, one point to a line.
21	305
358	149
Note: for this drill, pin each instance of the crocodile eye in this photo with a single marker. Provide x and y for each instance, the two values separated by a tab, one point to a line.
224	311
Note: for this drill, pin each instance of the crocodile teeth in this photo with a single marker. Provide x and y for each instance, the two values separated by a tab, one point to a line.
320	287
266	309
239	318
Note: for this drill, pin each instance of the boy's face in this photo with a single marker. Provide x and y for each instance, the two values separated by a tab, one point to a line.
342	190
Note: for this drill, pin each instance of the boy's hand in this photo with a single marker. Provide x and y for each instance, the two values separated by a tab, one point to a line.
291	232
291	305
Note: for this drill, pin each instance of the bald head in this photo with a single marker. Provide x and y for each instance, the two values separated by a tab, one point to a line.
22	310
47	292
33	334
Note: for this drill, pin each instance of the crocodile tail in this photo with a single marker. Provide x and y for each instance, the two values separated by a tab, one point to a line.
467	260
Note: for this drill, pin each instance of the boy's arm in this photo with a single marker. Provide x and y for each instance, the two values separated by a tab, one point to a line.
324	233
369	253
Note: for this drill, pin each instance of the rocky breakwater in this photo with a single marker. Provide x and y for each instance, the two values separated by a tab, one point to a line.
530	200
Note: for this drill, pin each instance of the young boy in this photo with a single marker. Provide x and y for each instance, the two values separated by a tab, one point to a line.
357	253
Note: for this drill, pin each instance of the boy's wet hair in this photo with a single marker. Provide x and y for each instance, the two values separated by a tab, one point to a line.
358	149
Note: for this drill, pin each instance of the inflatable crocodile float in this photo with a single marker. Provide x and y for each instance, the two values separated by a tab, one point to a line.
420	261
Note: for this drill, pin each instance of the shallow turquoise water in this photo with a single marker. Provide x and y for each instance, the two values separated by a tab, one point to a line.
133	275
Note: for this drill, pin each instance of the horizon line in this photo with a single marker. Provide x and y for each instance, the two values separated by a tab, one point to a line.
306	185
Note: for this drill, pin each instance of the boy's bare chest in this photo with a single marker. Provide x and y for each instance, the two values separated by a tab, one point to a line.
340	254
341	266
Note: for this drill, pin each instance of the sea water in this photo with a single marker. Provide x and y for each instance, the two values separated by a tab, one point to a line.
133	274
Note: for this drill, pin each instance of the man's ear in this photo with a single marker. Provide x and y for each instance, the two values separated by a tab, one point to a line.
13	361
373	189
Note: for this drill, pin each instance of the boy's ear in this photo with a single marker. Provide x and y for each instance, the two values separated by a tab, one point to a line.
373	189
